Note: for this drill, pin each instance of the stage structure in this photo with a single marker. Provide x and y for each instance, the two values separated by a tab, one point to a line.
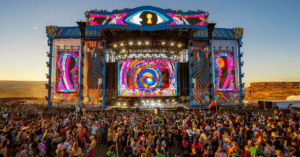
143	55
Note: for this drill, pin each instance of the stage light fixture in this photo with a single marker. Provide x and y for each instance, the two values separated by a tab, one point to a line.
179	45
147	42
122	44
115	45
130	43
163	43
139	43
172	44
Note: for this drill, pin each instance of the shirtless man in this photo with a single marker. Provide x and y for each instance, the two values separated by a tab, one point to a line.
91	147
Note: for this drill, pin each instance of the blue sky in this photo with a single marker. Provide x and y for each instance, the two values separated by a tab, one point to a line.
271	32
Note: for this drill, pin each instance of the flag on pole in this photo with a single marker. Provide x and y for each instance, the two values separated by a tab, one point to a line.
212	104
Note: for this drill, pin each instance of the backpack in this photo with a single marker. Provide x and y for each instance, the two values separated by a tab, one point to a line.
123	138
102	130
128	151
273	154
18	142
185	144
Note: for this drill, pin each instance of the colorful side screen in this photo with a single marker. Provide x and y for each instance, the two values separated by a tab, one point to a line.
147	78
67	64
224	66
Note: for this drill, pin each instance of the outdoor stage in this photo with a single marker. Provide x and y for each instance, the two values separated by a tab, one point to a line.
146	56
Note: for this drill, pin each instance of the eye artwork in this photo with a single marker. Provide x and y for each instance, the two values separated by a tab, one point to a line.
147	18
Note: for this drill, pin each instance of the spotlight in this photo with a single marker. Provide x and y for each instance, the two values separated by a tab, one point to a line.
139	43
163	43
115	45
147	42
179	45
135	104
122	44
130	43
172	44
123	50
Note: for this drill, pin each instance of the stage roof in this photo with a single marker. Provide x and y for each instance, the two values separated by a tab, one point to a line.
74	32
146	20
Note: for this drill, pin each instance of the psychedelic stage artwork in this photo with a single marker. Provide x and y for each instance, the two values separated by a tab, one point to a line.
67	71
225	67
147	78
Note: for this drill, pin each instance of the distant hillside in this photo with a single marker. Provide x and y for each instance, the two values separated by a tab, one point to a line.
23	89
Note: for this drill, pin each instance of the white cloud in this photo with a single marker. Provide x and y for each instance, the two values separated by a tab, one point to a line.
35	27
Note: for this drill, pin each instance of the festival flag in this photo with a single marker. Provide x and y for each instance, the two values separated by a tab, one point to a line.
212	104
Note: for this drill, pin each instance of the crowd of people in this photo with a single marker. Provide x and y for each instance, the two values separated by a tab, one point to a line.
197	133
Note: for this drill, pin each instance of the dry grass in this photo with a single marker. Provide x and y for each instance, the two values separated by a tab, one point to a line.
22	89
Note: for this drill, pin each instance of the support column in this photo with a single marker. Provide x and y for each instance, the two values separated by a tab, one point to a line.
50	43
103	72
240	71
190	71
210	28
82	26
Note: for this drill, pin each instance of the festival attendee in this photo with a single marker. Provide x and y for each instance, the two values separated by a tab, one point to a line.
220	152
3	148
158	153
111	152
269	149
76	150
91	147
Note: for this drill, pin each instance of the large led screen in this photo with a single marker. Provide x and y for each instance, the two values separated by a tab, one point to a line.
67	64
225	66
147	78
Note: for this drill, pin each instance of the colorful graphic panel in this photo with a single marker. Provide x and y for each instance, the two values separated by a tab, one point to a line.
67	65
92	71
147	78
224	66
181	19
200	72
112	19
